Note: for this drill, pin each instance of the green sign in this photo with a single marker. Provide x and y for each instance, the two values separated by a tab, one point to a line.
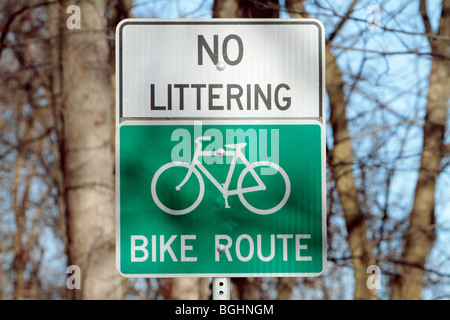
221	200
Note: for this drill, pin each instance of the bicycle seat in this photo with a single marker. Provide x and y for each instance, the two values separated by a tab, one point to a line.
236	146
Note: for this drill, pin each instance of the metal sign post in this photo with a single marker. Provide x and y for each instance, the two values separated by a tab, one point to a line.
221	288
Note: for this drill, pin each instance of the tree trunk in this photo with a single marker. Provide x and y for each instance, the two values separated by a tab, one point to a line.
87	159
284	287
421	234
341	167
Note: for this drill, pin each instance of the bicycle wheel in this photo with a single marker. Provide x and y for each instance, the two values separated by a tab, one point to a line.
274	197
173	200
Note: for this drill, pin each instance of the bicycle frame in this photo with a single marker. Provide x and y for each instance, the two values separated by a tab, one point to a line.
223	188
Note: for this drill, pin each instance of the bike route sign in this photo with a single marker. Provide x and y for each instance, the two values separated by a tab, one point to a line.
220	148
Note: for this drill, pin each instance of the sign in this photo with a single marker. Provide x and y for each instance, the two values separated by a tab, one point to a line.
220	148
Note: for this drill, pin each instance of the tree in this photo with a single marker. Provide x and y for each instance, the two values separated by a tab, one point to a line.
83	102
26	155
88	164
62	145
387	167
421	233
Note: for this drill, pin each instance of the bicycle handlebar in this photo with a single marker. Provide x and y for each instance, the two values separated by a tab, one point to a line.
199	139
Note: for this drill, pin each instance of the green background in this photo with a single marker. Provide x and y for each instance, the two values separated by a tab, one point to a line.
145	148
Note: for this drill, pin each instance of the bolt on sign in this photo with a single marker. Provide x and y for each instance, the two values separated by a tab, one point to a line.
220	148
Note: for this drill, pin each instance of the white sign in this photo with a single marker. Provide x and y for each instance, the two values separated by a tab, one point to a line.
220	69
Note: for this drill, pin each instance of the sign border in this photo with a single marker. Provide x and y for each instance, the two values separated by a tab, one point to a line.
120	120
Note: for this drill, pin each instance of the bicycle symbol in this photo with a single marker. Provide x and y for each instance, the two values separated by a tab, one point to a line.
223	188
